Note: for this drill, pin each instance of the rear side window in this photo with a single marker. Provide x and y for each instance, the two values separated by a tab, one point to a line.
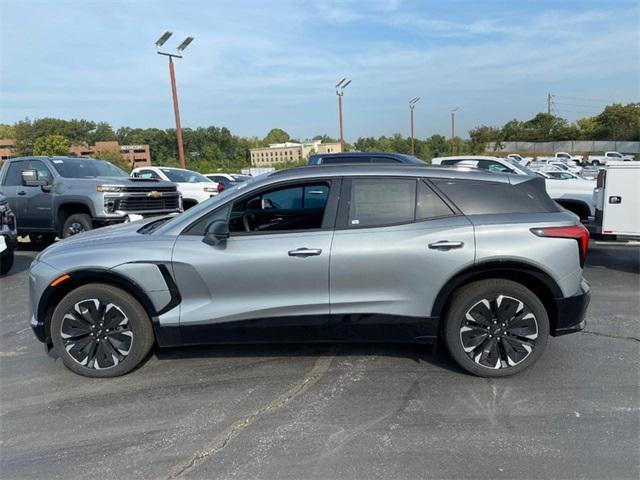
381	201
481	197
384	160
430	205
13	177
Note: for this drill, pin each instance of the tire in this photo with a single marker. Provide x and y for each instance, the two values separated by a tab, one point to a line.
595	163
79	324
484	346
187	204
6	262
76	223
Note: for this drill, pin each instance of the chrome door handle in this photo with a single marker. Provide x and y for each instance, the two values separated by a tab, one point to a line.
305	252
445	245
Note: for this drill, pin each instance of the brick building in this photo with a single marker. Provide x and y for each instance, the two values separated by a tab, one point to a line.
136	155
290	152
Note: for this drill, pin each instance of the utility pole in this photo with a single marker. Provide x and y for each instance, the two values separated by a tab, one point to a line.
174	91
340	86
549	97
453	130
412	105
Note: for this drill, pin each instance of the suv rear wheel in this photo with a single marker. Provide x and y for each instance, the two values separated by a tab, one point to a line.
496	328
101	331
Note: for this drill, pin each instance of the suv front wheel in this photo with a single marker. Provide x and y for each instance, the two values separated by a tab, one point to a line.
101	331
496	328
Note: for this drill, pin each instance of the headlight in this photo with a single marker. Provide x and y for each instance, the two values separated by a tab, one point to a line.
109	188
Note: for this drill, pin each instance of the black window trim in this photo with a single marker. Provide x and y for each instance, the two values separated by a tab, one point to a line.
342	217
328	219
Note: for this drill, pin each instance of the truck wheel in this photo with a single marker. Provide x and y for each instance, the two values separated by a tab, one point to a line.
101	331
6	262
496	328
595	163
76	223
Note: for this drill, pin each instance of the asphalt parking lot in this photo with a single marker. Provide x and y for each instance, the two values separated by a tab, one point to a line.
331	411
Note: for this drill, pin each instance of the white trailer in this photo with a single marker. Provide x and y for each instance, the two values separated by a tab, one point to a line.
617	200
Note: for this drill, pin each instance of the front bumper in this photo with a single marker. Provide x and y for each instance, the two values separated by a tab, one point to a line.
571	311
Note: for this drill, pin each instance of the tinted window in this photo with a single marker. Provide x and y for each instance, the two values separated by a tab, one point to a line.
41	168
184	176
381	201
13	176
330	160
85	168
492	166
479	197
299	207
430	205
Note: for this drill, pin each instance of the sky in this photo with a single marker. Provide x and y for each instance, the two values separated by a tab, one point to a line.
256	65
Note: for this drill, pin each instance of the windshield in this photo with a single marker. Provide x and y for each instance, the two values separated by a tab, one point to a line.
184	176
212	202
86	168
521	167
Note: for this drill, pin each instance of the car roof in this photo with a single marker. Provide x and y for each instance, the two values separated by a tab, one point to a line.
469	157
384	169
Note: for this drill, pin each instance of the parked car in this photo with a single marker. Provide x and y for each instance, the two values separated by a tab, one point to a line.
520	159
564	157
363	157
8	235
557	164
617	199
575	196
226	180
609	156
193	186
336	253
561	175
63	196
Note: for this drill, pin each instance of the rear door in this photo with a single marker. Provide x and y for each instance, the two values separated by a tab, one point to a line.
396	243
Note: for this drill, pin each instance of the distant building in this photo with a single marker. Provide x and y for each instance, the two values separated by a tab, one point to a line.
136	155
290	152
7	148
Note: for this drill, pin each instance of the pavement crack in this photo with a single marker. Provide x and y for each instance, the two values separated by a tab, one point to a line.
320	367
611	335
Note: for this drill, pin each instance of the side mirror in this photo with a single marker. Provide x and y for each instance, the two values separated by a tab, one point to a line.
30	179
216	233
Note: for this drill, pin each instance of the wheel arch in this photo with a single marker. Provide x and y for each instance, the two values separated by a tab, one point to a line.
52	295
68	208
530	276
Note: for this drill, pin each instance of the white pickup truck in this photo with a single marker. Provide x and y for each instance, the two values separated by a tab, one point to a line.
564	157
574	195
609	156
520	159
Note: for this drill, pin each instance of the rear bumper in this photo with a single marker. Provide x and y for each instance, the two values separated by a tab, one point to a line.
571	311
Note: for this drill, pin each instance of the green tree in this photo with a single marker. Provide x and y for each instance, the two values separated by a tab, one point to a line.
482	135
276	135
116	158
619	122
51	145
7	131
102	133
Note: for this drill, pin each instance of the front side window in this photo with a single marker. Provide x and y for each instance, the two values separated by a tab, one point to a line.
381	201
41	168
296	207
14	174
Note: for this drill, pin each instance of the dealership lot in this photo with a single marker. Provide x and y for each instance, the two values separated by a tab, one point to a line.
331	411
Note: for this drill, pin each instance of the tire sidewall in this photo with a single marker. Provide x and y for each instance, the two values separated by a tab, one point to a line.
468	296
6	262
82	218
139	324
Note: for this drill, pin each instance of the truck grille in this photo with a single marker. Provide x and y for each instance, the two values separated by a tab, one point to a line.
148	188
142	204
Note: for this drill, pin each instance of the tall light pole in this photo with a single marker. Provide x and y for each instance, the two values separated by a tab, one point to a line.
453	130
340	86
174	92
412	105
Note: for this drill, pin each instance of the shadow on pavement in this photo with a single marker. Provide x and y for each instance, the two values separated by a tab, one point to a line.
433	354
620	258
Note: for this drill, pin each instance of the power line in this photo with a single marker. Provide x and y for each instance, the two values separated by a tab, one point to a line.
581	98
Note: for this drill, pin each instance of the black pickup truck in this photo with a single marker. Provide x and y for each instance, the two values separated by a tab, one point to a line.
62	196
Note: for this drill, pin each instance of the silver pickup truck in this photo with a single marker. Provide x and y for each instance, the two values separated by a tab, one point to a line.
63	196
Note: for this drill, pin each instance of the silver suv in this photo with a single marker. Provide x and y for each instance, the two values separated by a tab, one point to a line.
488	262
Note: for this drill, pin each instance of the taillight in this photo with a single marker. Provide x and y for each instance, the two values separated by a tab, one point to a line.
602	178
220	187
577	232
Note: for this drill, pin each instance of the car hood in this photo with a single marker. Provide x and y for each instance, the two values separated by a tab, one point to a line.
127	181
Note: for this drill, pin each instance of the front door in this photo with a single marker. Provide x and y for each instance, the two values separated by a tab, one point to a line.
270	279
35	203
396	243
